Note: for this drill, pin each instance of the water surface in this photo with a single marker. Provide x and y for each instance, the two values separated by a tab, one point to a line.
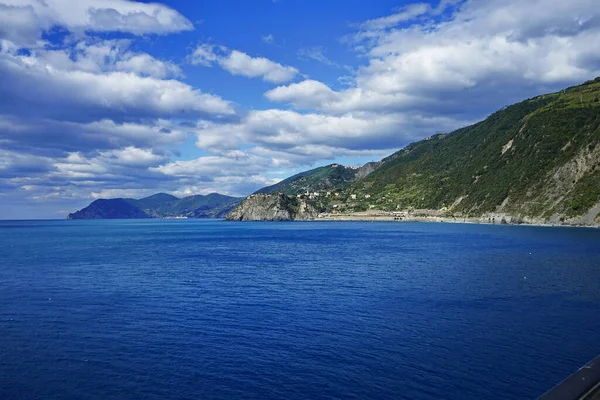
192	309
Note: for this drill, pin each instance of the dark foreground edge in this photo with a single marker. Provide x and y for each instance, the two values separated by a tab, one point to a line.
582	385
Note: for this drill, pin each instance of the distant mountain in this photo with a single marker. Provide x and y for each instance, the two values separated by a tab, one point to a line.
537	161
156	201
160	205
110	209
329	177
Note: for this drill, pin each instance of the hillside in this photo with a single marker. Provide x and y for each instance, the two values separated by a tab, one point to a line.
159	205
538	158
110	209
534	161
322	178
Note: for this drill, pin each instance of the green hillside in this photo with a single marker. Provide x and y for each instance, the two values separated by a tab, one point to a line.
154	201
540	157
322	178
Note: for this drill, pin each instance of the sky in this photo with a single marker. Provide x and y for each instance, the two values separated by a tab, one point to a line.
120	98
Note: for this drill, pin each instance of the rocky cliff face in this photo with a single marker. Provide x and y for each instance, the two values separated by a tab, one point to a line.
367	169
273	207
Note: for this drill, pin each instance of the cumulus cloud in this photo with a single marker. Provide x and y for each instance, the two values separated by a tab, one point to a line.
306	94
99	56
107	165
44	87
286	130
214	166
540	42
311	94
77	174
13	164
51	137
144	64
481	54
238	63
24	21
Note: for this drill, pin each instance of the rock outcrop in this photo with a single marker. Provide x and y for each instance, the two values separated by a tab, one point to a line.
273	207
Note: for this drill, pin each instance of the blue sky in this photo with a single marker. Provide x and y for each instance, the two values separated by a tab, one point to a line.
121	98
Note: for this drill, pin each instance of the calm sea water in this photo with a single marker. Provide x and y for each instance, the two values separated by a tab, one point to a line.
156	309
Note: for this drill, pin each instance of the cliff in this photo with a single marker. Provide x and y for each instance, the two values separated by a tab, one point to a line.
273	207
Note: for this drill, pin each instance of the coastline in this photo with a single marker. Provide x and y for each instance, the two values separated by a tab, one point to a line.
435	216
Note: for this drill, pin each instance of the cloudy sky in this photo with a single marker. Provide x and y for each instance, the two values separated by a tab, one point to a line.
120	98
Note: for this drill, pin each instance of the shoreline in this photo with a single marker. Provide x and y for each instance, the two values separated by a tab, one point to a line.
491	219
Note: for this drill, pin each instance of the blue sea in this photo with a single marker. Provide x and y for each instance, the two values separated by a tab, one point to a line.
196	309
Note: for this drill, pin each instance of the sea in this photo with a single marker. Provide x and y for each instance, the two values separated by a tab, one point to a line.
208	309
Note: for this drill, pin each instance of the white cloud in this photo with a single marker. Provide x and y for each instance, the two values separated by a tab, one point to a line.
40	86
504	42
56	137
285	131
207	54
306	94
310	94
100	56
13	163
238	63
213	166
144	64
133	156
467	57
119	193
23	21
235	173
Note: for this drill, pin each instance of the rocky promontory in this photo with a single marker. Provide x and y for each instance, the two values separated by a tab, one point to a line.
273	207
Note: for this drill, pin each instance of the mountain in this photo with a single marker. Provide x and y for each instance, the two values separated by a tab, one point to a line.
538	158
535	161
160	205
322	178
110	209
212	205
156	201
